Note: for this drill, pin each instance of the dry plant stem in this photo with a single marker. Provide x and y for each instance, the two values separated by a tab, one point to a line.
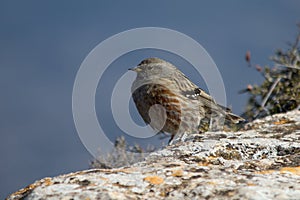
268	95
288	66
270	92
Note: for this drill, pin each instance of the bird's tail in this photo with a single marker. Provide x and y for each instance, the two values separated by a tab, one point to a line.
229	116
233	118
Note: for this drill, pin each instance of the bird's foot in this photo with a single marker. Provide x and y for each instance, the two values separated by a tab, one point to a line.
178	138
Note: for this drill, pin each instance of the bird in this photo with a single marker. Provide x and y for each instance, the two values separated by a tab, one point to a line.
170	103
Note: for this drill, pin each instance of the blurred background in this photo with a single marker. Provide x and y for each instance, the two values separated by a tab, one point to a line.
43	43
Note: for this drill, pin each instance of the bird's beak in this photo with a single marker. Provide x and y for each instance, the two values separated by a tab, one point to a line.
136	69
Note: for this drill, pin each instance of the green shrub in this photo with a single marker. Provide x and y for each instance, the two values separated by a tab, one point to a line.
280	91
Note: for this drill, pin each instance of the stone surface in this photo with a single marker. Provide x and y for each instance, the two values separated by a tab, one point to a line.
262	161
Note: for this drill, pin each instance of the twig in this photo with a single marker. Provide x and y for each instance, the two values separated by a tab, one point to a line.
286	65
270	92
262	107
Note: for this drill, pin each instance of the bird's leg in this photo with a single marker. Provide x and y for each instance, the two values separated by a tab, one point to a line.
171	140
183	137
179	137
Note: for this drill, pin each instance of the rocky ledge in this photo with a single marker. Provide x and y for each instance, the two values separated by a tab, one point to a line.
260	162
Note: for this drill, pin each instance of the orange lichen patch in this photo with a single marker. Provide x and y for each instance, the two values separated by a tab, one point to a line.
155	180
29	188
103	178
293	170
281	121
212	157
163	194
231	193
251	184
47	181
177	173
205	163
212	183
265	172
25	190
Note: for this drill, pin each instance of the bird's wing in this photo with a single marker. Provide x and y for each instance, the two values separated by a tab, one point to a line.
206	100
210	105
193	92
199	94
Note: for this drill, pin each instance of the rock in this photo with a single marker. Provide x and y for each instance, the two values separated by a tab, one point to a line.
262	161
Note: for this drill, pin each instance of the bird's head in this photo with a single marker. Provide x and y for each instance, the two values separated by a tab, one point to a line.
151	68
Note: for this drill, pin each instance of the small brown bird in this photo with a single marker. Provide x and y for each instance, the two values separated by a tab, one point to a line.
184	104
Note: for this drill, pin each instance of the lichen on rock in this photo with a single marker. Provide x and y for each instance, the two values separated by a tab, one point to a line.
262	161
